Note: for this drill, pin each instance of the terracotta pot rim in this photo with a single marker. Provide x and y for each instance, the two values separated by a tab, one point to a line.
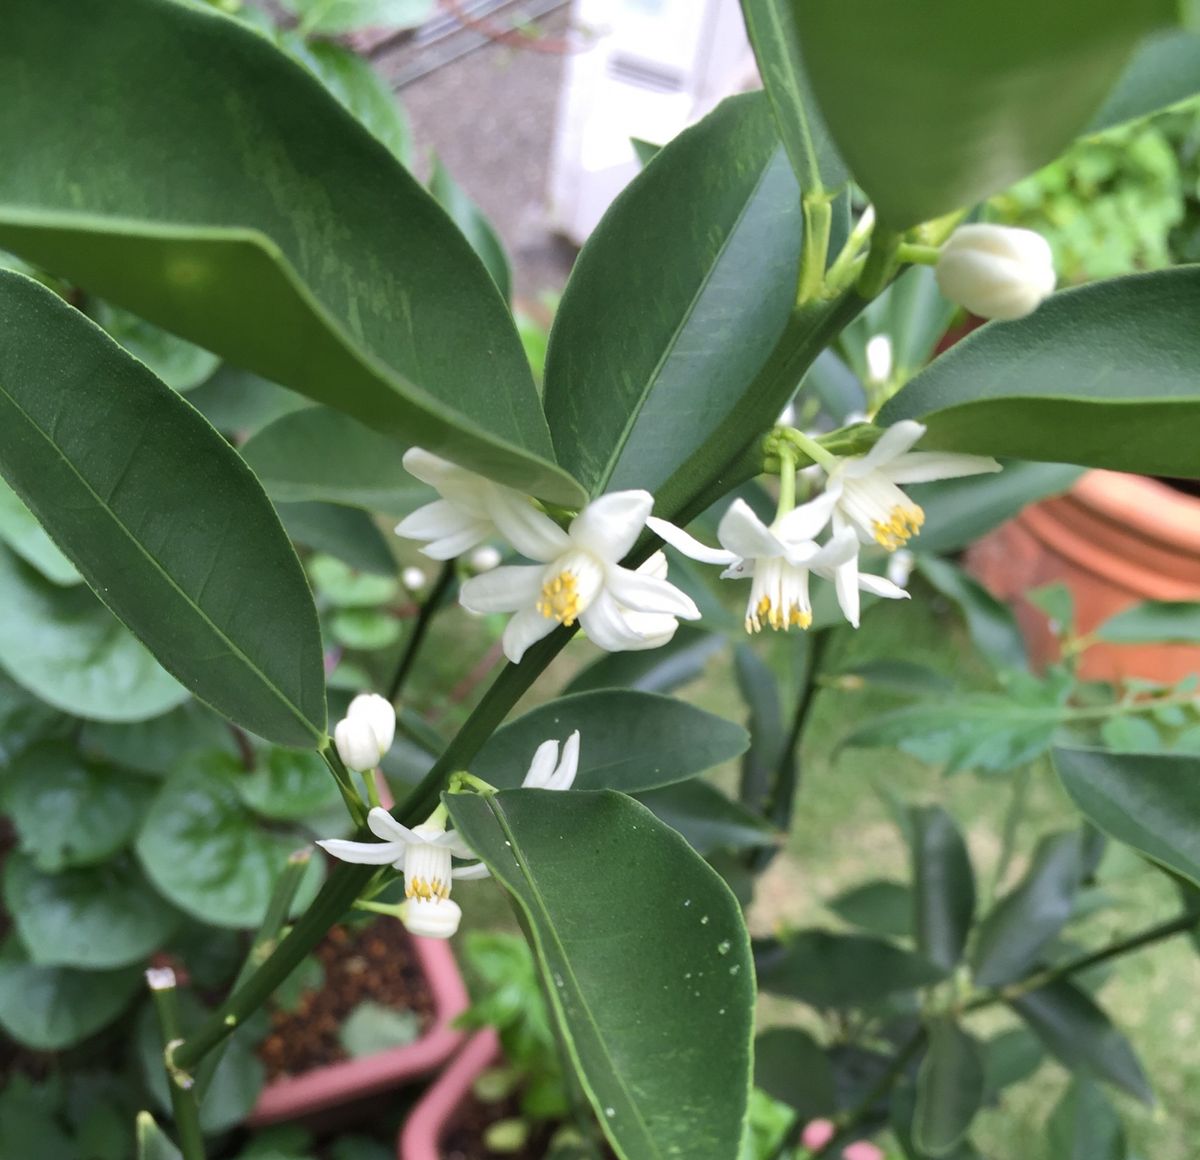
423	1132
1149	507
325	1087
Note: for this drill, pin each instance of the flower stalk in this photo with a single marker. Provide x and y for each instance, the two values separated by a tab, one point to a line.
185	1104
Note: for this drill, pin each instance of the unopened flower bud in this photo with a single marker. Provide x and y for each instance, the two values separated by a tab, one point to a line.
365	734
997	272
484	559
380	715
413	579
432	918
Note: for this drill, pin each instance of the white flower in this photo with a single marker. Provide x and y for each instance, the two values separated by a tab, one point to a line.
778	559
546	771
996	271
579	578
485	559
366	733
472	509
424	855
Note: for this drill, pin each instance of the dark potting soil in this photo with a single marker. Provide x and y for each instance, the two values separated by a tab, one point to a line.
374	962
465	1139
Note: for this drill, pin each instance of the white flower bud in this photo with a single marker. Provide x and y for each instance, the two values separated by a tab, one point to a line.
996	272
365	734
484	559
379	714
879	359
432	918
413	579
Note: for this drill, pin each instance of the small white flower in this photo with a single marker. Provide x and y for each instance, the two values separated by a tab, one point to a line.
366	733
484	559
471	510
778	559
996	272
413	578
546	771
579	577
879	360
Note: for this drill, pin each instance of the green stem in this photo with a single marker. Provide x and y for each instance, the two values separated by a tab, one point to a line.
818	217
838	275
350	795
915	254
881	263
185	1104
1124	709
412	646
812	449
787	481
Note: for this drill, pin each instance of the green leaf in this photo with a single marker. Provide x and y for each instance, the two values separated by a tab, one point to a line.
938	105
902	1116
206	852
289	784
1148	801
836	385
161	517
960	511
706	818
1020	926
943	886
775	37
20	530
903	677
1074	1029
790	1066
286	238
991	624
825	969
1164	71
68	811
760	691
350	535
102	917
343	587
365	628
65	647
949	1087
156	746
239	403
1102	375
1131	735
474	225
628	741
1008	1058
881	907
1085	1126
329	17
1158	621
319	454
662	670
152	1142
179	364
371	1028
643	1026
688	324
51	1008
25	719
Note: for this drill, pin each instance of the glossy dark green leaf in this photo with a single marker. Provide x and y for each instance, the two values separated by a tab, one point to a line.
960	511
992	625
902	1114
152	1142
825	969
347	533
20	530
1164	70
207	853
662	670
319	454
1085	1126
65	647
474	226
881	907
1018	928
791	1066
239	402
102	917
1150	801
1102	376
287	238
1166	621
708	819
949	1087
943	886
289	784
1008	1058
160	515
628	741
693	270
179	363
643	1029
68	811
24	720
50	1008
980	95
774	35
1076	1031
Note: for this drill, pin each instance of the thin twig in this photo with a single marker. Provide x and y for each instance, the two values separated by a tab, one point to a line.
185	1105
417	636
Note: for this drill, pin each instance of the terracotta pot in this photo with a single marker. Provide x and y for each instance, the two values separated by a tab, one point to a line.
291	1097
424	1133
1113	540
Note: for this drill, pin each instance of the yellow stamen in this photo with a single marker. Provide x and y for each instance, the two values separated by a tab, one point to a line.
560	599
425	890
777	618
903	524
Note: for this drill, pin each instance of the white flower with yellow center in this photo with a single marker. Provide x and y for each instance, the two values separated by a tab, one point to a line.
579	578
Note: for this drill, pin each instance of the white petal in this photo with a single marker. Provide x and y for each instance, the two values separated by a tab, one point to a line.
896	440
455	843
655	565
607	626
450	546
806	521
609	526
504	589
434	520
477	870
842	546
533	533
432	918
646	594
845	582
527	627
429	468
653	629
541	768
745	535
688	545
384	826
878	586
365	853
379	714
923	466
564	775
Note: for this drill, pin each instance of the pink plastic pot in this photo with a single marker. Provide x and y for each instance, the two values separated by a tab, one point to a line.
427	1127
291	1097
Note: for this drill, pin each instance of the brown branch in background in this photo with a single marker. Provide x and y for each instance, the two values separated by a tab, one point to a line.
244	747
511	37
